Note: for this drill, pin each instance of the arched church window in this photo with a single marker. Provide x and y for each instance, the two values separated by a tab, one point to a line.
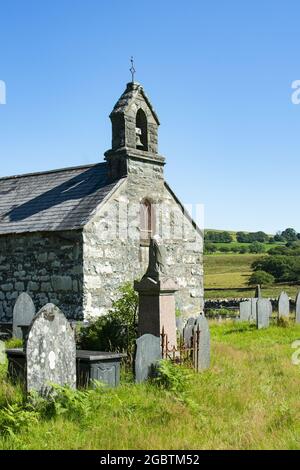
141	130
146	220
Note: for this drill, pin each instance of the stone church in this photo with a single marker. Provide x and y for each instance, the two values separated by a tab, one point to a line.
73	236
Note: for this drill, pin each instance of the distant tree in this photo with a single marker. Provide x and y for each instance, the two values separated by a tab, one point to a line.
242	237
278	266
278	237
251	237
289	235
218	237
261	277
261	237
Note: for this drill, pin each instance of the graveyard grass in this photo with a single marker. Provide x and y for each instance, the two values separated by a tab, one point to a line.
248	399
227	275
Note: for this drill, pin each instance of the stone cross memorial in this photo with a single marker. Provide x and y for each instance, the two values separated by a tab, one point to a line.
264	311
24	311
156	297
258	294
148	352
50	351
283	305
204	343
298	308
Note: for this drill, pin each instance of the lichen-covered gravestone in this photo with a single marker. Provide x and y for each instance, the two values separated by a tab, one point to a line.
148	353
264	311
245	310
50	351
24	311
188	332
298	308
283	305
204	343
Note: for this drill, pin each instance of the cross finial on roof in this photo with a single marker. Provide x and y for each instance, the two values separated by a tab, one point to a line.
132	69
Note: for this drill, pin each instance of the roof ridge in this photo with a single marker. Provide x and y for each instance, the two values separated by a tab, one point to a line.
58	170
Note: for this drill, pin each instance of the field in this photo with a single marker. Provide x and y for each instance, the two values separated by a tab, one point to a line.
249	399
226	275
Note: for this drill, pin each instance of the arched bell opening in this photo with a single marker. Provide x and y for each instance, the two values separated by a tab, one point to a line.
141	130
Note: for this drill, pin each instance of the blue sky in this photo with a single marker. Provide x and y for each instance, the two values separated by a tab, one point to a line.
218	73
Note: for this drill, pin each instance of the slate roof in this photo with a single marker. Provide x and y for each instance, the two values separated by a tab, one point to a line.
54	200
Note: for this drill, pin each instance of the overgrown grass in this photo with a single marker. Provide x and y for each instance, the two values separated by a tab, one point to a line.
249	399
227	275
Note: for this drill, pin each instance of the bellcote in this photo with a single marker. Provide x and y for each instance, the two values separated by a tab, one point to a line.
134	131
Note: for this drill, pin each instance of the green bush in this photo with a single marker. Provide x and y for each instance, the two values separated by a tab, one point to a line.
115	331
261	277
172	377
15	417
257	247
75	404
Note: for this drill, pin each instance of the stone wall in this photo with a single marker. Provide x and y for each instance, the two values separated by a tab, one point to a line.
46	265
112	250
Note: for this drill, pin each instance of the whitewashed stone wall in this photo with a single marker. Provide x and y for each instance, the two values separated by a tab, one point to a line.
112	253
46	265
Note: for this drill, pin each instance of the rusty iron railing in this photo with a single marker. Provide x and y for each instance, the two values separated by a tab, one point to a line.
182	354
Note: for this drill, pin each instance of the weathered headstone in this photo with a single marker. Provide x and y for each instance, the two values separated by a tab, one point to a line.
245	310
204	342
148	353
298	308
50	351
264	311
188	332
24	311
283	305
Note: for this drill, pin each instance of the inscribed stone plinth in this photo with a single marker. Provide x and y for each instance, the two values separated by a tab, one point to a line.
50	351
157	308
24	311
148	353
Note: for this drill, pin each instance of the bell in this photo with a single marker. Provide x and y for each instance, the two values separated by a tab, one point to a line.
138	133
